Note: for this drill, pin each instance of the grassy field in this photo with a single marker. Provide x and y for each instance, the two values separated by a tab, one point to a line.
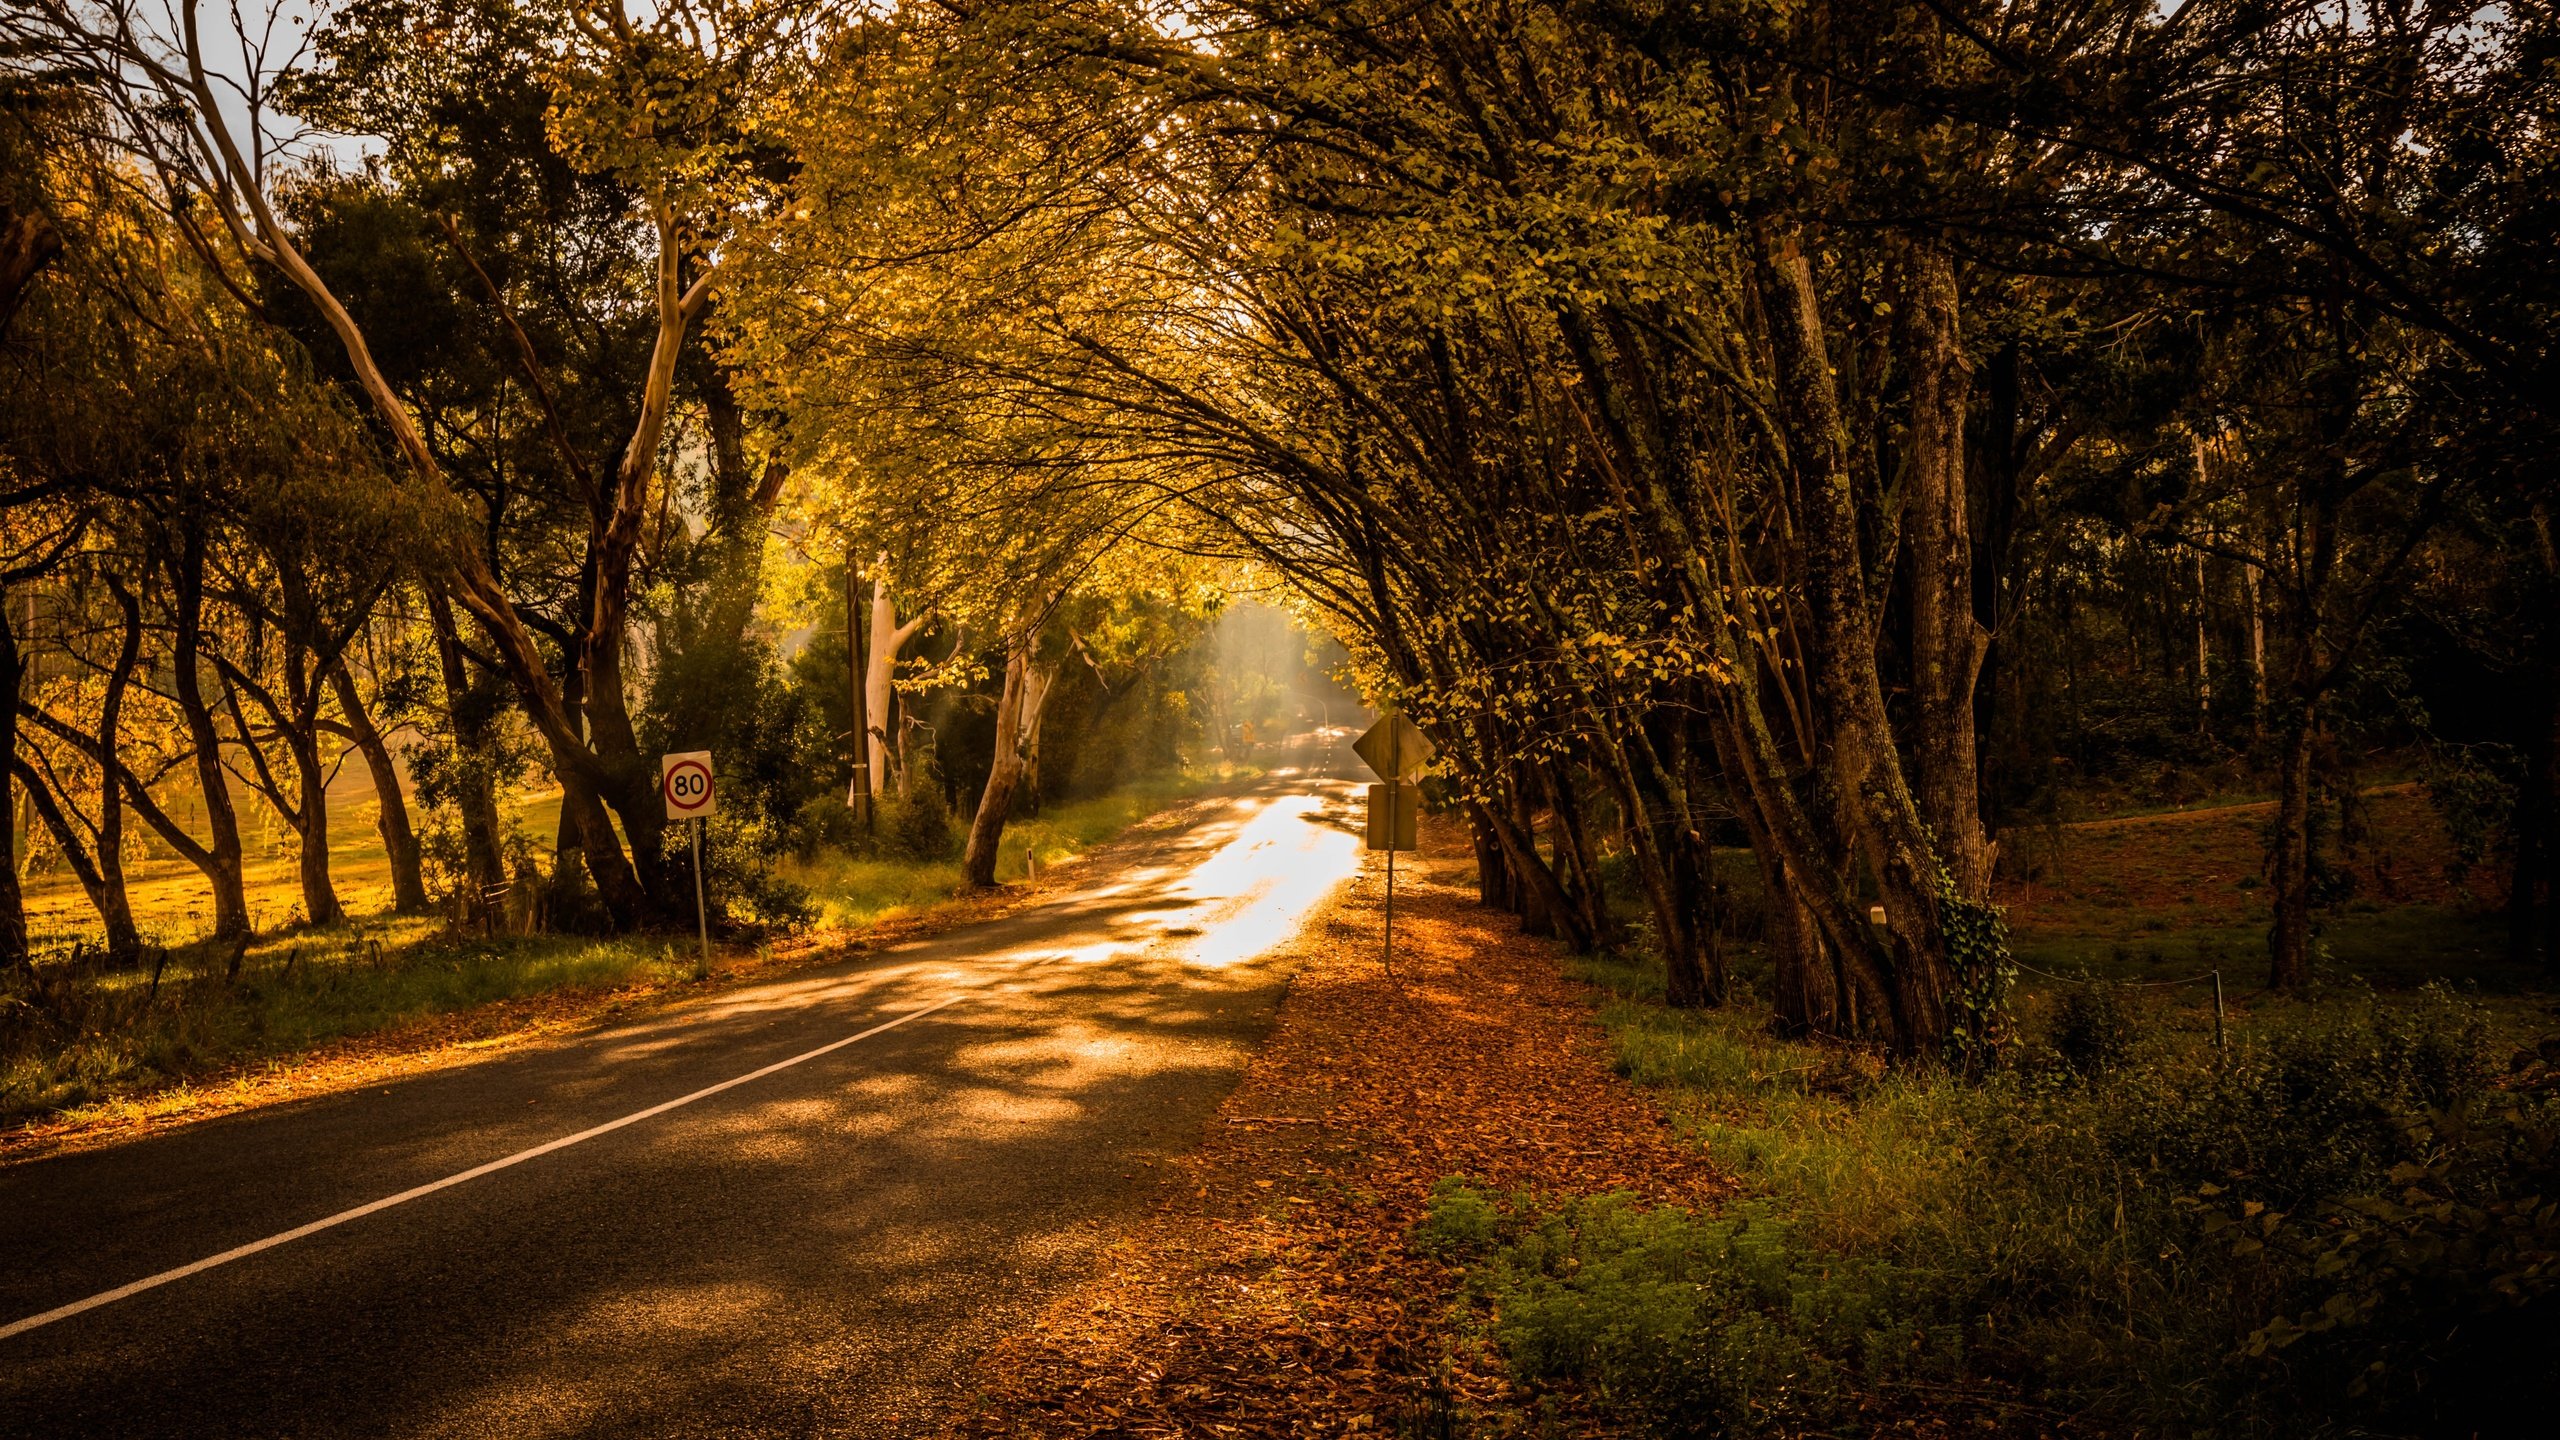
80	1043
173	905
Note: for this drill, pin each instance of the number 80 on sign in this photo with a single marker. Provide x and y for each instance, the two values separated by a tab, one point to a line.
685	780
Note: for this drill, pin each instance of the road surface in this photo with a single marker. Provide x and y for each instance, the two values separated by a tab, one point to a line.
791	1209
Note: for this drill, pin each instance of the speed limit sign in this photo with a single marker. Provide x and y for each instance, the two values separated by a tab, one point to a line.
685	779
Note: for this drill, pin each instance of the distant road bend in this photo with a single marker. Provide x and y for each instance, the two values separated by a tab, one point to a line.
792	1209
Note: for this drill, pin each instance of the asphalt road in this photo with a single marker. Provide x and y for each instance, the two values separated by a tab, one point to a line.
817	1250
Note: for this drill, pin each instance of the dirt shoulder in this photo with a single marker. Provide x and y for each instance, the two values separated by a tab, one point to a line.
1273	1291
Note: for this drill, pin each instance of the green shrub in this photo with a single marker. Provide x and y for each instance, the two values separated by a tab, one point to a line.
2435	1302
2093	1029
917	826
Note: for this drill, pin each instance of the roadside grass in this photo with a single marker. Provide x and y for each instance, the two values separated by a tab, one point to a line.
1063	833
2343	1223
2122	1226
79	1039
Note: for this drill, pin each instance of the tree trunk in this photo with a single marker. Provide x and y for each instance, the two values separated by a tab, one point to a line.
114	900
117	920
1018	707
222	822
631	885
1864	788
391	814
13	903
880	668
1947	642
1572	846
2289	942
319	895
2533	883
2257	657
1539	895
1667	867
475	797
1493	878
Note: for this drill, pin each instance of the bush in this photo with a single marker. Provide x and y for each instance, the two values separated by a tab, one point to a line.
825	822
2093	1029
917	826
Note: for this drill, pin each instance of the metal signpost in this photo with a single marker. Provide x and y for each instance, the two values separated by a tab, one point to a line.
685	780
1397	750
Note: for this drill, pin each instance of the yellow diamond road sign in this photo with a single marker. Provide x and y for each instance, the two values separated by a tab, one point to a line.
1395	747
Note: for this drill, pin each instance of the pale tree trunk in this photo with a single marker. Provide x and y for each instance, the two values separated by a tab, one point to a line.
2257	657
391	816
2204	655
1018	711
880	668
1947	642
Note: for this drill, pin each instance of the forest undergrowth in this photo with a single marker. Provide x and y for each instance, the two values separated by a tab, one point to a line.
2344	1224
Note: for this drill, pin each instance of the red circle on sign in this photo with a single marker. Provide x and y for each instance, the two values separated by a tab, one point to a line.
668	785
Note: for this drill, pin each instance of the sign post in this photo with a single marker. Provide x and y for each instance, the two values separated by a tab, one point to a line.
685	780
1397	750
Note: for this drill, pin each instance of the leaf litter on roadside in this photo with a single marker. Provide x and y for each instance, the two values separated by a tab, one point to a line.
1274	1290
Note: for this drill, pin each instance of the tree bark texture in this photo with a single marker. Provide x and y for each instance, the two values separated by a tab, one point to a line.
1947	642
1018	711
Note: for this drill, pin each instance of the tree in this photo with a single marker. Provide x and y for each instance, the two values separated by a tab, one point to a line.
660	103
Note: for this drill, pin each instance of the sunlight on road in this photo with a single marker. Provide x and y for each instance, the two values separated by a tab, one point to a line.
1253	892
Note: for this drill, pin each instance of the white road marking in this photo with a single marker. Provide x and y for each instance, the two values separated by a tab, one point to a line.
109	1297
153	1282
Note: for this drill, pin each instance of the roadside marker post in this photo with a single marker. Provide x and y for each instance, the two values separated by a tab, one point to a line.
684	779
1397	750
